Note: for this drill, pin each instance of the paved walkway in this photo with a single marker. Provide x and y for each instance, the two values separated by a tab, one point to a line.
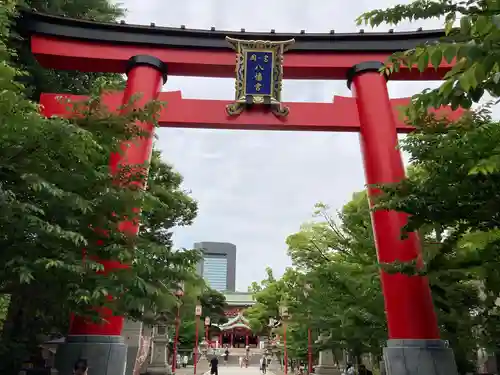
189	370
275	368
236	370
203	368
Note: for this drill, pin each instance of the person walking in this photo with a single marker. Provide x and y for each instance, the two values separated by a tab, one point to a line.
80	367
349	370
301	368
214	366
263	364
185	361
364	371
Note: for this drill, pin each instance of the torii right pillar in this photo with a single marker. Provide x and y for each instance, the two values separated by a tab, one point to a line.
414	346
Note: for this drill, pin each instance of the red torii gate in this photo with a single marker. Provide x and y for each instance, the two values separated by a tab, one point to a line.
148	53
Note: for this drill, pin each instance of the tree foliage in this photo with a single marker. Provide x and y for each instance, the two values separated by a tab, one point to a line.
452	193
334	288
213	304
451	196
60	202
38	79
457	165
270	295
344	299
472	30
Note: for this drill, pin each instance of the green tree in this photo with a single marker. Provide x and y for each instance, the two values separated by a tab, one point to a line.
458	164
335	262
452	194
339	261
94	10
55	189
213	304
269	296
38	79
472	43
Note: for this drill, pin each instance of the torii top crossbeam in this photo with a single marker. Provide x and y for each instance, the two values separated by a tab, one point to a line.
70	44
66	43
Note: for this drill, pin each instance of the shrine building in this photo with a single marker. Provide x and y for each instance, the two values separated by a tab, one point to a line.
236	332
218	268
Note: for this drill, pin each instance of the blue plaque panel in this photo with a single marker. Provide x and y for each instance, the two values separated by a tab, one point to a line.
259	72
259	75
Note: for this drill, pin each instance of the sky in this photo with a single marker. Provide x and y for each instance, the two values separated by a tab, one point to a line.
255	188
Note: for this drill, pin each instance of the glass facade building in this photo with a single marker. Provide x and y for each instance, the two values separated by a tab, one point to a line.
218	266
215	271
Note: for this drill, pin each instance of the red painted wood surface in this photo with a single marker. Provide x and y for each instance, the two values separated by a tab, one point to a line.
339	116
408	301
146	80
84	56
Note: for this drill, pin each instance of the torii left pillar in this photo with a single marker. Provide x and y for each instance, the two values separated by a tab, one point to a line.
101	345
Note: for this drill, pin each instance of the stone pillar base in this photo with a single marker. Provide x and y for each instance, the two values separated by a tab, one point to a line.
105	355
419	357
326	370
382	368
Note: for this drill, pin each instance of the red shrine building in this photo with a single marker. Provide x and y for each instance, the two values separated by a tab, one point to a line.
236	332
218	268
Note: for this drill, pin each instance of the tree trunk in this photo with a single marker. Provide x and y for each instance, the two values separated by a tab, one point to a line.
23	327
497	362
18	335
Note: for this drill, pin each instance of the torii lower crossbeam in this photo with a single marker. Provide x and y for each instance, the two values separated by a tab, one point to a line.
339	116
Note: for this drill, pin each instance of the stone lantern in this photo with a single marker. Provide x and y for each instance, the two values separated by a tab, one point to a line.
326	364
159	348
204	348
269	345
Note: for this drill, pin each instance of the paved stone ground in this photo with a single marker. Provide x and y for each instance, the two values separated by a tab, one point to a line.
236	370
275	369
203	368
189	370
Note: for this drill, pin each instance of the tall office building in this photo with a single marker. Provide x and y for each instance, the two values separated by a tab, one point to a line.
218	266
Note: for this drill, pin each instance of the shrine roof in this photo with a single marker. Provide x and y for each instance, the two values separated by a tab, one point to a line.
236	325
239	298
239	321
99	32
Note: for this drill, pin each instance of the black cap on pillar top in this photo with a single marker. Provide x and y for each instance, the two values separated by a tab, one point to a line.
146	60
367	66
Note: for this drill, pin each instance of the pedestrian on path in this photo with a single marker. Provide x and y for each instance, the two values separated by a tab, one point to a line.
214	364
185	361
263	364
80	367
302	368
364	371
349	370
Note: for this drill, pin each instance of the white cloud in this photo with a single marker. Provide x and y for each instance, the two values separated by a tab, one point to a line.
256	188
